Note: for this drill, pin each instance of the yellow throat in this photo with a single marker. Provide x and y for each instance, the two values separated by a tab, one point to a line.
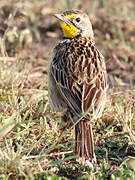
69	30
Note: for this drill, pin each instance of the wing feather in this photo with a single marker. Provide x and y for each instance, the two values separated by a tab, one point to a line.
60	74
94	92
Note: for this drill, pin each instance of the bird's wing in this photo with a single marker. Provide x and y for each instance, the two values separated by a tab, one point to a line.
60	74
94	88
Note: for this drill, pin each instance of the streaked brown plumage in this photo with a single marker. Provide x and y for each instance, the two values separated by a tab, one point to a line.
78	80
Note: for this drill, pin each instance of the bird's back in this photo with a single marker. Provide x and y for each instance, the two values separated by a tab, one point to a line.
79	70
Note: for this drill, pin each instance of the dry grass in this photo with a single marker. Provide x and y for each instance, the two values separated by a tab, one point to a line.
33	143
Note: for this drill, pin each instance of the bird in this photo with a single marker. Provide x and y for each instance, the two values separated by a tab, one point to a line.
78	79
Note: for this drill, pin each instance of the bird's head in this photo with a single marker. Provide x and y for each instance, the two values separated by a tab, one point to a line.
74	23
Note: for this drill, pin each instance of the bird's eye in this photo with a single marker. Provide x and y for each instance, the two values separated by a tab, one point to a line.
78	19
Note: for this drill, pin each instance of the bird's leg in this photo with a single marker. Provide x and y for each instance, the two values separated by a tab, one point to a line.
65	121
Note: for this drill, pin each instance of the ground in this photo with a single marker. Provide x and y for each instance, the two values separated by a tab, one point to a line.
33	143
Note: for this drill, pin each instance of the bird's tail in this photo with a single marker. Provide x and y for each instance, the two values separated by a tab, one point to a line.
84	145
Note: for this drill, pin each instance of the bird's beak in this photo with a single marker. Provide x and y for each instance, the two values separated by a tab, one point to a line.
61	17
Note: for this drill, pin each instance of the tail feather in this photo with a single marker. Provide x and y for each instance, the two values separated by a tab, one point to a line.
84	145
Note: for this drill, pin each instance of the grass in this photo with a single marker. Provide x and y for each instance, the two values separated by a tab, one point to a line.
33	143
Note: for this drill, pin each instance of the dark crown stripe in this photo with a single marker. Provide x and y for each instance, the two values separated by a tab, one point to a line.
73	12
